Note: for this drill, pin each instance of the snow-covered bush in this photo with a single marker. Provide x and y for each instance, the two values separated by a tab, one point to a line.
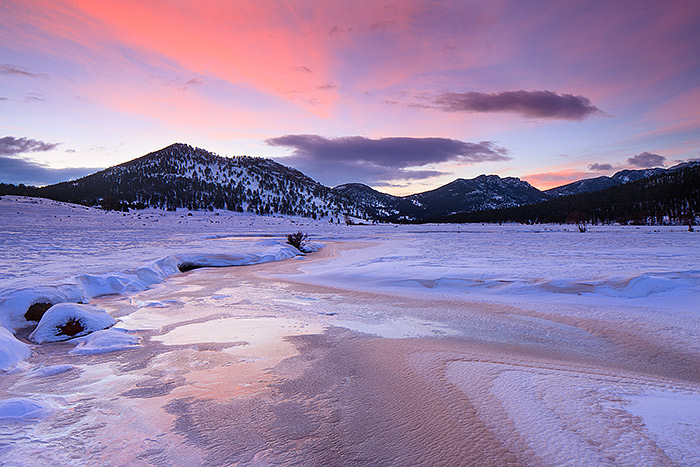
67	320
15	304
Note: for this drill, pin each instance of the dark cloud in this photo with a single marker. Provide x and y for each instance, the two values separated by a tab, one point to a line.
196	81
600	167
327	87
9	145
646	159
33	97
16	170
359	159
531	104
20	71
4	99
302	69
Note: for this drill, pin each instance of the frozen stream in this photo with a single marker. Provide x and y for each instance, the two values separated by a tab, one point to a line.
430	345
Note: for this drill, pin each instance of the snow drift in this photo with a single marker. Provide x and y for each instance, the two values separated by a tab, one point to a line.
67	320
12	351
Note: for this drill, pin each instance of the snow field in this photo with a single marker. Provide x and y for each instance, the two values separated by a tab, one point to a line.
623	300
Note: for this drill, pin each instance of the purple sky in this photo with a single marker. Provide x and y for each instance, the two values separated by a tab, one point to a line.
404	95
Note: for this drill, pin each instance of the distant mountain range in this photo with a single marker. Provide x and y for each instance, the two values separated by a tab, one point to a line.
660	196
599	183
181	176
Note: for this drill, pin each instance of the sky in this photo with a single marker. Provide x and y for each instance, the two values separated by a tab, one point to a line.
404	96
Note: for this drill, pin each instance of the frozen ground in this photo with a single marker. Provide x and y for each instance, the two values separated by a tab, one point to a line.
391	345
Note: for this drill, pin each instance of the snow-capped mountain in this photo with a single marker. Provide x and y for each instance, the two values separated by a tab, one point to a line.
379	205
589	185
482	192
583	186
181	176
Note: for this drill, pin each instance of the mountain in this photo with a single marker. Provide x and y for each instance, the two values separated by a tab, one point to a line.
377	204
181	176
482	192
670	196
583	186
619	178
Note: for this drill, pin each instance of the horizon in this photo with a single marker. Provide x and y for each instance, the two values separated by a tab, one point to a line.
403	98
346	183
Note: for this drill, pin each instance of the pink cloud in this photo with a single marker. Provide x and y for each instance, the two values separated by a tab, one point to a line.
547	180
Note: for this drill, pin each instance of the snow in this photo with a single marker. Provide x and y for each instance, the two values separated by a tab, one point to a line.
570	348
673	418
91	319
14	303
105	341
52	370
23	409
12	351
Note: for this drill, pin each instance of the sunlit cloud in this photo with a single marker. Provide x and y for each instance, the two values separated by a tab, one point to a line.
547	180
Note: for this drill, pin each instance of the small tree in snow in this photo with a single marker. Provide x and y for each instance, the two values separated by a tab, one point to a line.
298	240
579	219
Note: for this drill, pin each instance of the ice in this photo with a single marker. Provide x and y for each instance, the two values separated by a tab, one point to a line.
90	319
23	409
399	328
12	351
673	418
105	341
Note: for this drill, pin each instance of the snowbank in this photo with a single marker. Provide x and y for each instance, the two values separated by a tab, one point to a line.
23	409
67	320
104	341
135	280
52	370
15	303
12	351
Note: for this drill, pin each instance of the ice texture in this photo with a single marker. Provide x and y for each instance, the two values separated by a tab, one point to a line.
23	409
87	318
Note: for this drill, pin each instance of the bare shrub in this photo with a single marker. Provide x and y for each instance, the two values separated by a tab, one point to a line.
298	240
580	219
70	328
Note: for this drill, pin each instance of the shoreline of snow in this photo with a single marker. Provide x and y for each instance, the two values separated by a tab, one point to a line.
15	302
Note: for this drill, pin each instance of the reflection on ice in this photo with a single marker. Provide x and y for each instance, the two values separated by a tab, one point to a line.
256	332
400	328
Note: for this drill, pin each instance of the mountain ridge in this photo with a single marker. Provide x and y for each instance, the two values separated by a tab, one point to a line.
183	176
